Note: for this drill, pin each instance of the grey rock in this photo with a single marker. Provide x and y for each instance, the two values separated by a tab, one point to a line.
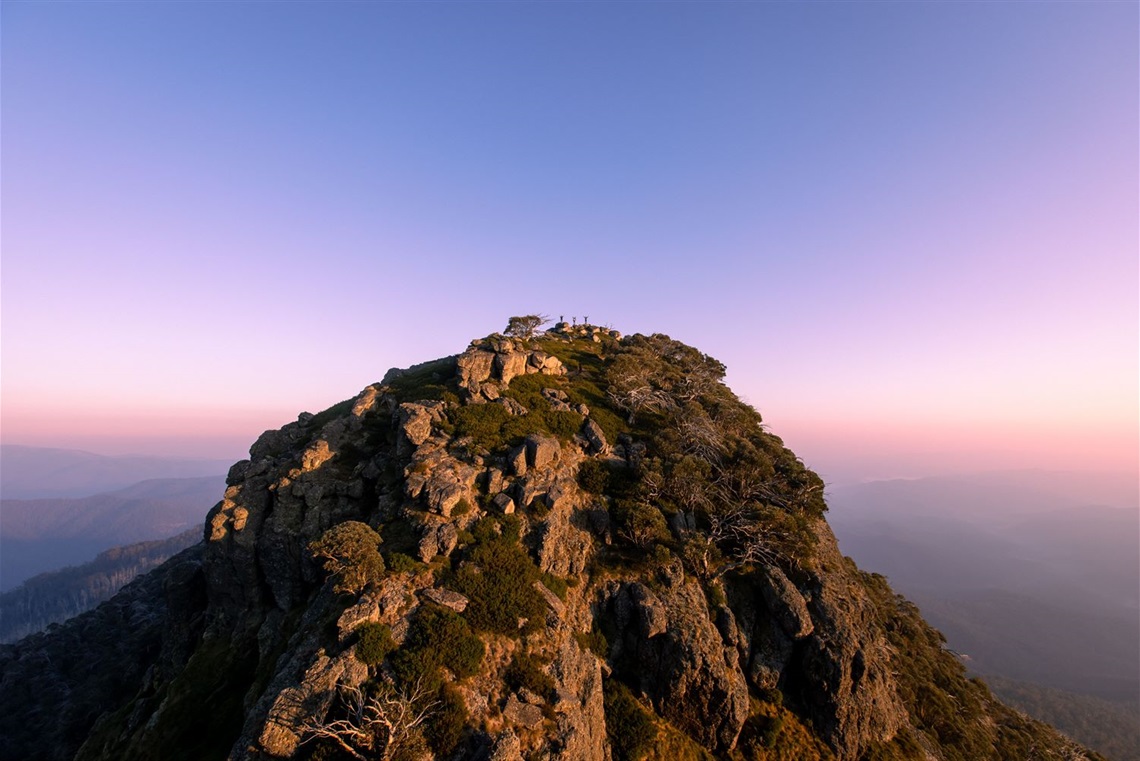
522	714
517	460
595	437
541	450
683	665
447	536
509	365
312	696
428	547
415	423
507	748
474	367
786	603
514	407
237	472
446	598
552	600
365	611
494	480
503	503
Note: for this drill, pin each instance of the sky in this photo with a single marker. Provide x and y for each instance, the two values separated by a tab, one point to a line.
910	230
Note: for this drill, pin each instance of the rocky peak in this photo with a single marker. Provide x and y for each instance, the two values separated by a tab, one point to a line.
568	544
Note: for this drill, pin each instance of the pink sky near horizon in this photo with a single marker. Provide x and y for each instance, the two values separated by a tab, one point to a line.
910	232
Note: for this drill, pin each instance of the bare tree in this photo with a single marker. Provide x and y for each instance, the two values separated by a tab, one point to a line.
375	726
700	435
631	387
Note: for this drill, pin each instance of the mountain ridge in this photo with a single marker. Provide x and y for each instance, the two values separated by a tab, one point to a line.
566	544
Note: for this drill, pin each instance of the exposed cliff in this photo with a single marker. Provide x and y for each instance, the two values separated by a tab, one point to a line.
572	545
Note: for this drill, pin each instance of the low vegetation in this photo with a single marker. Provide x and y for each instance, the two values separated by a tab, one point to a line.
498	578
438	638
374	642
629	725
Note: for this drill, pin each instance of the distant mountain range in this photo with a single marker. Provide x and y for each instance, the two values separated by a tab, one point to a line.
38	535
57	596
1033	577
41	472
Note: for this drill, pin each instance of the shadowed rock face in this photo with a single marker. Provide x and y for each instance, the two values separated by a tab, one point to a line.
556	515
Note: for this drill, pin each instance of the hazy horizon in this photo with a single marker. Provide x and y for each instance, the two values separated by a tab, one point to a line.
909	230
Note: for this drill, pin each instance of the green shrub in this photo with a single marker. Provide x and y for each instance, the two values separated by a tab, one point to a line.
612	425
437	637
563	424
444	727
499	579
340	409
374	643
484	423
398	562
639	523
527	389
556	584
525	672
629	726
773	733
538	508
594	476
429	380
594	641
351	552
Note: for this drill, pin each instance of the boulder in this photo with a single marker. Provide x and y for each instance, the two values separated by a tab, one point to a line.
365	611
595	437
522	714
504	503
493	480
415	423
675	654
428	547
517	460
513	407
447	537
786	604
281	734
507	748
541	450
474	367
509	365
446	598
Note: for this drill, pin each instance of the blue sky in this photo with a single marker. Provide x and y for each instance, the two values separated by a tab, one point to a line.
907	228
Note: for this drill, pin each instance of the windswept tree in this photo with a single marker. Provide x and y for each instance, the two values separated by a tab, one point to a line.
351	552
525	326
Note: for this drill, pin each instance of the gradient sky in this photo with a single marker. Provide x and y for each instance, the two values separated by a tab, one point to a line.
909	229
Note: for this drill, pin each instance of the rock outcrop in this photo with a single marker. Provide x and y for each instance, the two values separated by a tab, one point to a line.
581	534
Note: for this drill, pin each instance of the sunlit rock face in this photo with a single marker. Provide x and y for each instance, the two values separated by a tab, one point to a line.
588	548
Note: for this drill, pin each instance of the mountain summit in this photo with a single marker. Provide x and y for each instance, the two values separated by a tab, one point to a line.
566	544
